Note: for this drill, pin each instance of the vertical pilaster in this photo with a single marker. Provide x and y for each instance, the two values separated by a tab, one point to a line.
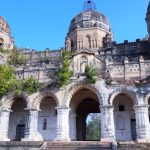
31	126
62	124
142	123
4	125
73	135
107	124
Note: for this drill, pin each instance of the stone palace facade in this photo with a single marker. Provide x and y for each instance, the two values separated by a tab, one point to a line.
121	93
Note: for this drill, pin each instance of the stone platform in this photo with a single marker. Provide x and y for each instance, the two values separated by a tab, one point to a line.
78	146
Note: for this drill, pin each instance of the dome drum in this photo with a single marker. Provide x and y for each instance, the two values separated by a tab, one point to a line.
89	19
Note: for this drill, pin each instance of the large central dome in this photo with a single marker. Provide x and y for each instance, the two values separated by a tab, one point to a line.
88	19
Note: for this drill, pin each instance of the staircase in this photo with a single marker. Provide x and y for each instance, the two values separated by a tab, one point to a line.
133	146
78	146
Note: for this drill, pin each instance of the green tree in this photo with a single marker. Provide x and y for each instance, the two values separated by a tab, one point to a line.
31	85
93	128
15	57
91	74
8	80
64	73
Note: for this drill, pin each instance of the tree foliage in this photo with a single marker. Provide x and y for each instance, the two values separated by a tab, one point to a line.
91	74
8	80
10	83
93	128
31	85
64	73
15	57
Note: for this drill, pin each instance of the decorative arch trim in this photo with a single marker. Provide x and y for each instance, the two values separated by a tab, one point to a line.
40	97
116	92
77	87
7	101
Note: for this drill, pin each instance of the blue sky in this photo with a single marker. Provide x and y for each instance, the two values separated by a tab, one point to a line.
41	24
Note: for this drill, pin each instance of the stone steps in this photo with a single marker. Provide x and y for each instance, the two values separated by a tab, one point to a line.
133	146
78	146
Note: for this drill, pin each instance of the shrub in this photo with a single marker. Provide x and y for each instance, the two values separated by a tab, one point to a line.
91	74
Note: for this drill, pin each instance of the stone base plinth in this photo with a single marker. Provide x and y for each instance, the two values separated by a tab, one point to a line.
108	140
30	139
143	140
62	140
4	139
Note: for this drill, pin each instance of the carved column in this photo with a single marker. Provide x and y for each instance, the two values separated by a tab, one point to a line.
107	124
4	125
62	124
31	126
142	123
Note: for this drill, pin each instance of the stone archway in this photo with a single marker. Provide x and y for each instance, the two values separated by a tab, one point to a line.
7	101
116	92
83	102
75	88
39	98
125	125
46	102
17	118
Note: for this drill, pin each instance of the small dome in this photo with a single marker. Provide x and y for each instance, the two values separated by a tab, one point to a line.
4	25
88	19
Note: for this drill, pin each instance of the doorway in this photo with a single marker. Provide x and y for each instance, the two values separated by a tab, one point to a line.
133	129
20	132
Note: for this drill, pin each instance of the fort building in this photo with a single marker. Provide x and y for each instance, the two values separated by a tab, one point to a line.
121	93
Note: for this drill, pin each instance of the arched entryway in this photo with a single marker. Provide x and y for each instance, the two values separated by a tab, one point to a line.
124	118
83	102
17	119
47	119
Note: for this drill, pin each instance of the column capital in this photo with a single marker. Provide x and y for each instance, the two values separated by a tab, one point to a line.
5	110
64	107
141	106
106	106
32	109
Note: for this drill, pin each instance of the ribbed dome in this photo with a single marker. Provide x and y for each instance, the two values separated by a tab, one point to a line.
88	19
4	25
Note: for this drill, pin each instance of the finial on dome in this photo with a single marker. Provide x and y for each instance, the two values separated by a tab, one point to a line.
89	5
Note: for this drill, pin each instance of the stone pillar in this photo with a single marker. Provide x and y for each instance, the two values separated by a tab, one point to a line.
62	133
4	125
107	124
31	132
142	123
73	134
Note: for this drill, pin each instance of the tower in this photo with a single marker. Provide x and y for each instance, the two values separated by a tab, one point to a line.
89	29
6	41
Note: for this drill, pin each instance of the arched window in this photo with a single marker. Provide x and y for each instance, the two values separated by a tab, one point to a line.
88	41
1	42
45	124
121	108
83	64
